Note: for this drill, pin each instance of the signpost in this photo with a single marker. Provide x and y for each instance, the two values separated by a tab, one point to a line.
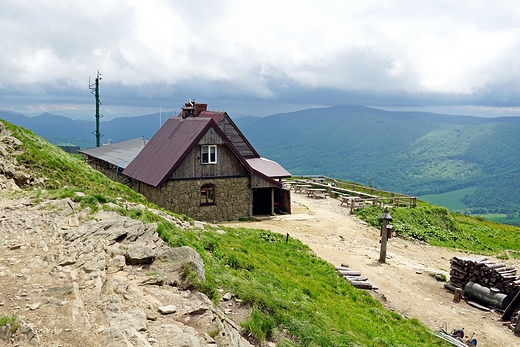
384	234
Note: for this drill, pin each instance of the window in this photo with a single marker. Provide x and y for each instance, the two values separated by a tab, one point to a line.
209	154
207	194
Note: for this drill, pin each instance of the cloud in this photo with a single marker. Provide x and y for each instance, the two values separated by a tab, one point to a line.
283	52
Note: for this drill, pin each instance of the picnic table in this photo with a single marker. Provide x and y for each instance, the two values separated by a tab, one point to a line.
316	192
301	188
350	200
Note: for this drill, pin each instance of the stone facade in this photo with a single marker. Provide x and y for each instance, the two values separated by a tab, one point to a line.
233	197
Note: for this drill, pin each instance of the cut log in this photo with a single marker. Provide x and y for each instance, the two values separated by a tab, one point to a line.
362	284
349	273
355	278
343	268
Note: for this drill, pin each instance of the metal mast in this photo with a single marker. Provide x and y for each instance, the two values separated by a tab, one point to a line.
95	90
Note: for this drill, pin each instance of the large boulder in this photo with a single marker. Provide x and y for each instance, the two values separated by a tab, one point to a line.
172	263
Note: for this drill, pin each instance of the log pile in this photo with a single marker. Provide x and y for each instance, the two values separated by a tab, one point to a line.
355	278
484	272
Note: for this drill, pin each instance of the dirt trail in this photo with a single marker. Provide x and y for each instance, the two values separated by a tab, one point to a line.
405	284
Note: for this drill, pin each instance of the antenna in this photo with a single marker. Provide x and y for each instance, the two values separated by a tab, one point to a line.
160	117
94	87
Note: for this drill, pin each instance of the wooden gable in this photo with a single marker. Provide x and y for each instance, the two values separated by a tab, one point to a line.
228	165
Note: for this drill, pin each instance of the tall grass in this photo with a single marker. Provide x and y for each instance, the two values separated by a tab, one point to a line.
440	227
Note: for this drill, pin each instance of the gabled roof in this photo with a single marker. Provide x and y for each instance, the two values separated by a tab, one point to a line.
168	148
216	116
119	154
268	167
234	134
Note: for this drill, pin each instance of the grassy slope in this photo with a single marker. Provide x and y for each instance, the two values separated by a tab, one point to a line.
451	200
437	226
292	292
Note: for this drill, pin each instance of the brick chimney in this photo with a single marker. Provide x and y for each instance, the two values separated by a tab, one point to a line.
192	109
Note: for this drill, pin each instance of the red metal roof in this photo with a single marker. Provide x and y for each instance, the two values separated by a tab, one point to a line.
167	149
216	116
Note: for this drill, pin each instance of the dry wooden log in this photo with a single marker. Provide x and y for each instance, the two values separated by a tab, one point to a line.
355	278
495	266
349	273
342	268
362	284
505	268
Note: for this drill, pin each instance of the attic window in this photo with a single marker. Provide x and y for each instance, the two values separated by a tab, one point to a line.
207	194
208	154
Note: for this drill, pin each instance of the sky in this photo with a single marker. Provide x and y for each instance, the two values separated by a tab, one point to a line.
259	57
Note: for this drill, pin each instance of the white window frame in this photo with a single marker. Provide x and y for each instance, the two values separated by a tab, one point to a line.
208	150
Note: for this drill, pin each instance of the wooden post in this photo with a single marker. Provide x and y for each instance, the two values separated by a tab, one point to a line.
517	326
457	295
272	201
384	235
384	239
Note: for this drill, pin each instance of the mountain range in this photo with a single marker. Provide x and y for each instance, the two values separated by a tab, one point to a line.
474	159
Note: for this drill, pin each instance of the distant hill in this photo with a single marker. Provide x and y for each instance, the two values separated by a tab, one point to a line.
63	130
409	152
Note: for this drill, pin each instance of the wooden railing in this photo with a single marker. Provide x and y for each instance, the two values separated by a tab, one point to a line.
356	195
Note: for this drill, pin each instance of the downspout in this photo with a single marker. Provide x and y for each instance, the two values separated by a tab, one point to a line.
119	165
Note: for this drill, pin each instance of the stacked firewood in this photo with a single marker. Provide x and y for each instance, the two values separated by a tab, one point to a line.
484	272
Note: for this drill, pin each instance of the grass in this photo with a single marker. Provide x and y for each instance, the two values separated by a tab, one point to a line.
451	200
295	297
9	319
439	227
292	291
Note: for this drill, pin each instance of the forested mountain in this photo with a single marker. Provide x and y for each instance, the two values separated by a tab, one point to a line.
410	152
63	130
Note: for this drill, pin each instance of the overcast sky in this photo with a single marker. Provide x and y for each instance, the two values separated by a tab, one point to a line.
260	57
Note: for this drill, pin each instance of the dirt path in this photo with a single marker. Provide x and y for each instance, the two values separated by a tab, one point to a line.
405	284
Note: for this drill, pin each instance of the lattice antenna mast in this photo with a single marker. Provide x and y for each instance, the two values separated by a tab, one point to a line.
94	87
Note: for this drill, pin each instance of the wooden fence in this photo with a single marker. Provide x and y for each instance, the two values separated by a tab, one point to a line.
355	195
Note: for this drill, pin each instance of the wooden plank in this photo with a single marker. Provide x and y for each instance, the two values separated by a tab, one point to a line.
479	306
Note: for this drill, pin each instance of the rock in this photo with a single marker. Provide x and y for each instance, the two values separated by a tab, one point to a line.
21	178
34	306
198	224
228	296
174	258
169	309
155	279
71	276
28	334
138	254
115	264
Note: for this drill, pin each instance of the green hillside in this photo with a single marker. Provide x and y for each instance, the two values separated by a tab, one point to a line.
296	298
409	152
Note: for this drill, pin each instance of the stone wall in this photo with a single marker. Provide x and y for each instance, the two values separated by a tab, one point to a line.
233	198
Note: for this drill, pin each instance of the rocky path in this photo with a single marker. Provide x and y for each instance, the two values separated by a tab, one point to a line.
75	279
